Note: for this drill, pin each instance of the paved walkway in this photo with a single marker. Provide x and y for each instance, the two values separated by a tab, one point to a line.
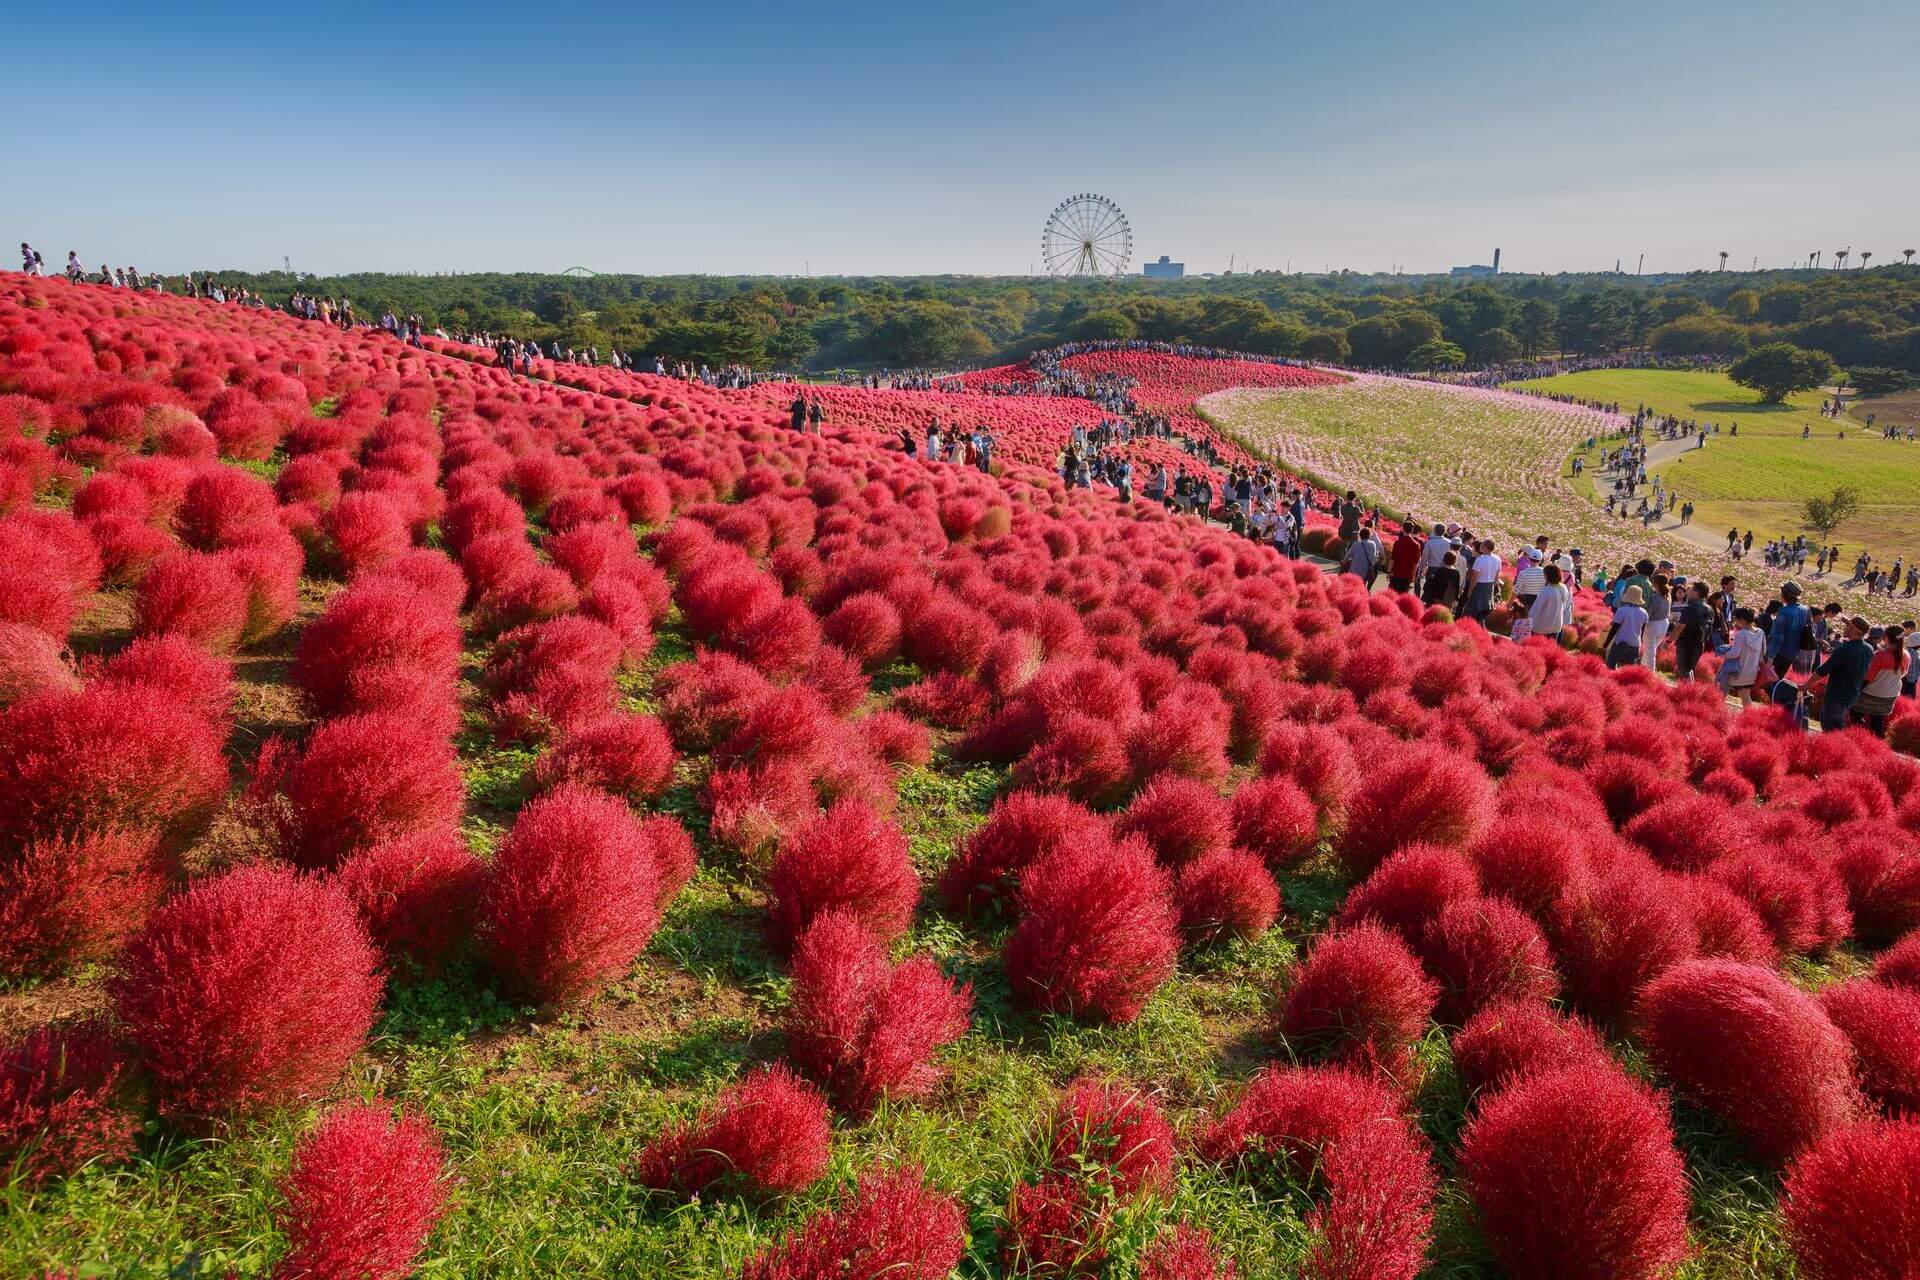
1662	451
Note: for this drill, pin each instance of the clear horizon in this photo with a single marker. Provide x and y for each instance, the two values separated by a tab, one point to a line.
867	141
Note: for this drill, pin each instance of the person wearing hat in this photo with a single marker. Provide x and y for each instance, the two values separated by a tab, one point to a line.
1846	673
1792	631
1629	625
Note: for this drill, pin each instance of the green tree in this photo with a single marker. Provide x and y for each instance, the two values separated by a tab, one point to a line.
1825	514
1877	380
1438	354
1539	326
1102	326
1387	340
1779	369
558	308
1329	345
1697	335
1497	346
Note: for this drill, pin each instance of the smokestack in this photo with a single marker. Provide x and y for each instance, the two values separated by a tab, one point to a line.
1496	262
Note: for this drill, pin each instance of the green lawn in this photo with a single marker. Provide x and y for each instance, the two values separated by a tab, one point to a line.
1759	479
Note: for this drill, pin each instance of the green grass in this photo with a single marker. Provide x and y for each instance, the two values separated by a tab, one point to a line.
1760	479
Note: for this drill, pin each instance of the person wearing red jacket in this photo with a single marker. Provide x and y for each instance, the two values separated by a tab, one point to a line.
1404	560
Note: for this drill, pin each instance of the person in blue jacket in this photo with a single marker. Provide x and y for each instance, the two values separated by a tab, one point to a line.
1791	629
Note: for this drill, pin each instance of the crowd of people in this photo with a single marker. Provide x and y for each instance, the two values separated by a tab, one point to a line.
962	447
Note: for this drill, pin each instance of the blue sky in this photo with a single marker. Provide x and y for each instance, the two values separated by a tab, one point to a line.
903	138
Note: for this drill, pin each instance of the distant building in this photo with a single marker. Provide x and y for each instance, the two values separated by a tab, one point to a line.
1479	270
1163	270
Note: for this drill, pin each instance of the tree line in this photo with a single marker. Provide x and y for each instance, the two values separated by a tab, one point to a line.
1862	319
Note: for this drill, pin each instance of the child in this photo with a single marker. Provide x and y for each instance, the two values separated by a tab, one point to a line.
1743	652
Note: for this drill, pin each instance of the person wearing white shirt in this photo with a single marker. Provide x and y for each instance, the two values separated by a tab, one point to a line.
1434	551
1528	578
1741	655
1552	610
1485	574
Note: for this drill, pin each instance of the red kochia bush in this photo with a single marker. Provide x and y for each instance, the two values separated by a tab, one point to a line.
179	668
1055	1227
1187	1254
894	1228
1425	798
1022	828
1113	1131
1883	1025
1411	888
1899	965
417	894
195	595
1336	1132
765	1136
1743	1043
867	626
1613	934
65	900
863	1027
849	859
1098	934
1179	818
1275	818
628	755
573	895
356	782
31	663
362	1196
1359	1000
381	624
1509	1039
1481	950
249	991
1228	892
1575	1174
1852	1203
111	757
60	1102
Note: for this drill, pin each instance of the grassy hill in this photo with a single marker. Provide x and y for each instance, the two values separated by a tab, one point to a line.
1759	479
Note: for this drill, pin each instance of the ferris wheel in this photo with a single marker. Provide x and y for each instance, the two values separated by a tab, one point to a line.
1087	235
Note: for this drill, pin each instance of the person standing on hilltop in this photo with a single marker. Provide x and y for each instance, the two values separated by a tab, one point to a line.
799	413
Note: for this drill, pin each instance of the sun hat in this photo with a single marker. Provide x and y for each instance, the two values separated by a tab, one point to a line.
1631	596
